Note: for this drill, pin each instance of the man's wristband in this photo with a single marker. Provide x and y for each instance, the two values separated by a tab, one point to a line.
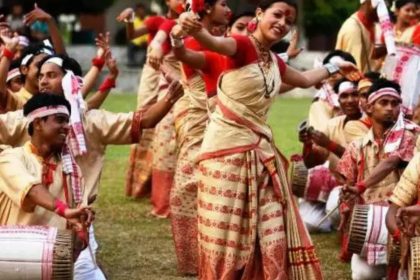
98	62
60	207
8	53
107	85
361	187
396	236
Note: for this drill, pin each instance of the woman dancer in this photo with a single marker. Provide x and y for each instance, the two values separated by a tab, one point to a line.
248	222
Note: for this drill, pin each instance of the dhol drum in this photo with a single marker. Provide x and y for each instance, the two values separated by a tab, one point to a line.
415	258
394	252
35	252
404	68
368	236
314	184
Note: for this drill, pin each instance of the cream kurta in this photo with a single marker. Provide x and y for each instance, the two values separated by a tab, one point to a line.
20	170
102	128
320	112
354	38
342	133
407	189
16	100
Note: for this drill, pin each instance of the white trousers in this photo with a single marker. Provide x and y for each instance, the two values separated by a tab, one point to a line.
360	270
312	213
85	267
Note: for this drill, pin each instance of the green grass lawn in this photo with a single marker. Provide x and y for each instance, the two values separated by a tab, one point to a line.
134	245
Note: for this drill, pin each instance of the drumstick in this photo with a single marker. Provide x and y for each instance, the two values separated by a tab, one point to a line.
93	257
329	214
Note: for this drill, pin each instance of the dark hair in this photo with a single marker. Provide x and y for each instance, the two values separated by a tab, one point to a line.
401	3
372	76
238	16
140	6
211	3
42	100
344	55
383	83
14	64
339	82
68	64
35	49
265	4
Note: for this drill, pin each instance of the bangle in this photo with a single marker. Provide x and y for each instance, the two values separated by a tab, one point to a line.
8	54
332	146
107	84
331	68
176	42
60	207
361	187
98	62
397	235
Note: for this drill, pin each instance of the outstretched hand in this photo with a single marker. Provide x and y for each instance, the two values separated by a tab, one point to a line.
349	70
293	50
11	43
37	14
102	42
126	15
190	23
155	57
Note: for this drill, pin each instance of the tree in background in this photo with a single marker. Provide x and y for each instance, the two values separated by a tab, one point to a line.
322	20
69	7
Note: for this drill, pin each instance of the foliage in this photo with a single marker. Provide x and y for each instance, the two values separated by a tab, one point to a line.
323	17
74	6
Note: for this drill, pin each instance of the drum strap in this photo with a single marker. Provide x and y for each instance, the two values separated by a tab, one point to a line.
66	189
361	171
365	52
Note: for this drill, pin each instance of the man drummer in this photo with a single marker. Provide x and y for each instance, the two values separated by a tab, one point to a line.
325	105
39	182
404	210
329	144
100	128
371	166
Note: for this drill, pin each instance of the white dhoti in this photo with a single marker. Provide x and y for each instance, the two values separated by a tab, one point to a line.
360	270
312	213
85	267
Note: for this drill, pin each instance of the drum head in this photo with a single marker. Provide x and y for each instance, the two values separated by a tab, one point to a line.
358	228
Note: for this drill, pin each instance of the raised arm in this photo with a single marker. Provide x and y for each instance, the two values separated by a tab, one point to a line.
154	114
97	99
155	55
223	45
127	16
188	56
10	46
38	14
102	42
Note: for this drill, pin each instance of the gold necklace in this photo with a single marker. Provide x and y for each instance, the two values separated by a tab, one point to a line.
264	58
